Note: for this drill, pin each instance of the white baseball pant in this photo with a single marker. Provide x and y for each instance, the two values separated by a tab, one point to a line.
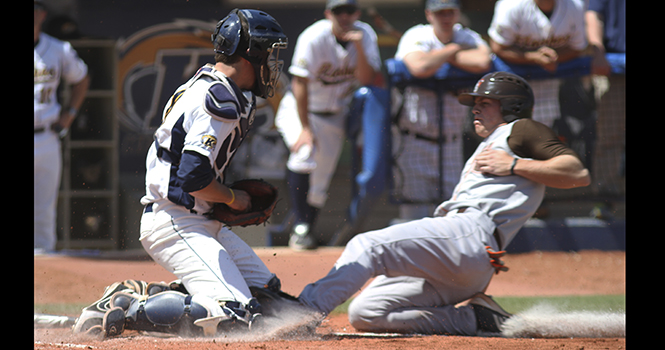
422	269
208	257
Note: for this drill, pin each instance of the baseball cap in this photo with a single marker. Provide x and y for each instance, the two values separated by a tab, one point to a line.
331	4
436	5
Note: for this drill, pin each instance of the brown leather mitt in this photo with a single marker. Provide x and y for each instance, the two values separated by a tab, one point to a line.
264	200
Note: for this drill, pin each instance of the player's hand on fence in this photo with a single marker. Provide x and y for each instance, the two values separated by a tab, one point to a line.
546	57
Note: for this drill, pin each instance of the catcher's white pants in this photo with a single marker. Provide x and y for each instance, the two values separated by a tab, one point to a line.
329	134
209	258
422	269
48	165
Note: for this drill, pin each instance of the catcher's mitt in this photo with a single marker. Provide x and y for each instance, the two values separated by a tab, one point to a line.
264	199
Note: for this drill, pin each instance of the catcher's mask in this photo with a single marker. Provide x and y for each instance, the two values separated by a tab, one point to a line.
257	37
511	90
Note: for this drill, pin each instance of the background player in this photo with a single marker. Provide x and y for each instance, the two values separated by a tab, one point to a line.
428	146
542	33
423	268
203	125
332	58
55	60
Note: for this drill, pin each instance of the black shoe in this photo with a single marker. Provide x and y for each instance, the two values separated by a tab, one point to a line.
489	315
301	239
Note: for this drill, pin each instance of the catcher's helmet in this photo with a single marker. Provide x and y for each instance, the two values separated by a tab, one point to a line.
257	37
511	90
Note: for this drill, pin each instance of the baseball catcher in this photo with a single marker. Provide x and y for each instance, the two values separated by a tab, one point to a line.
203	125
263	200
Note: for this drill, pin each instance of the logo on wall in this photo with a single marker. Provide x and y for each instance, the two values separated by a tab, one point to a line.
152	63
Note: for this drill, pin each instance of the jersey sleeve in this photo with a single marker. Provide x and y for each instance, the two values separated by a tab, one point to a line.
194	171
73	67
411	41
301	64
531	139
503	26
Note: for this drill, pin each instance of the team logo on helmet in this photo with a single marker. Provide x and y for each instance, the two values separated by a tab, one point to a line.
480	82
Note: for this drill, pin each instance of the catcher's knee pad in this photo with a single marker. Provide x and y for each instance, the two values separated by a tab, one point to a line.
166	312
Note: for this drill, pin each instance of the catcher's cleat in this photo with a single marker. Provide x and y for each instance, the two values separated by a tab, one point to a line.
114	322
489	315
301	239
257	323
284	307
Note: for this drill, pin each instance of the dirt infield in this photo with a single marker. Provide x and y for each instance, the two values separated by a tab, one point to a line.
60	279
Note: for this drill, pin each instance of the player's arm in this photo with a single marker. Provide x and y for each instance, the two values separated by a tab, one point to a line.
218	193
543	56
364	71
474	60
78	93
299	89
564	171
594	34
551	163
423	64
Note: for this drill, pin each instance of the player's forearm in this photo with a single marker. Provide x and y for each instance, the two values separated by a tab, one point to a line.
564	171
594	30
511	54
78	94
299	89
364	71
476	60
79	91
567	53
424	64
215	192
